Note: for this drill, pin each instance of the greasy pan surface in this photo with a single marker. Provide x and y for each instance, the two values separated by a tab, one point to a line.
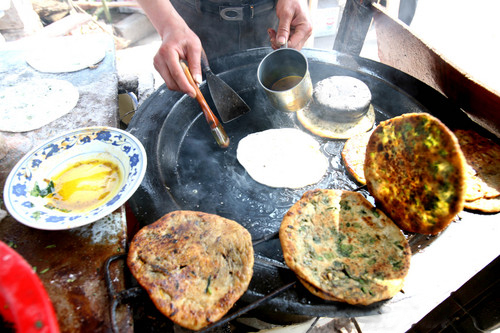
187	170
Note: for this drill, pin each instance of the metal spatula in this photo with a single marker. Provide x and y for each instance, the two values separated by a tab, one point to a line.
216	128
228	103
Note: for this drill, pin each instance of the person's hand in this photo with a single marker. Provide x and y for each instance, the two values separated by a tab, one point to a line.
179	42
294	24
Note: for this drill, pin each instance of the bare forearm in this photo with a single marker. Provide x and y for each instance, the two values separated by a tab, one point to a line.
162	15
179	42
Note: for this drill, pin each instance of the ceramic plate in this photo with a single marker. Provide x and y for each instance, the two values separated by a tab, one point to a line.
43	162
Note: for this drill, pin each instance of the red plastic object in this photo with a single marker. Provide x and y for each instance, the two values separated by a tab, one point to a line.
24	302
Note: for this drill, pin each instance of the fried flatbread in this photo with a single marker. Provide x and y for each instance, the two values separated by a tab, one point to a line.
193	265
344	249
335	130
415	170
485	205
339	109
318	292
483	160
353	156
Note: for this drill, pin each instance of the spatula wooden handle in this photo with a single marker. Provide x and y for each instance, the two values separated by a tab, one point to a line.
215	126
204	61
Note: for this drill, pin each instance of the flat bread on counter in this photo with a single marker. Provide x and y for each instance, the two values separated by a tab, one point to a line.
29	105
66	54
193	265
483	171
415	170
344	249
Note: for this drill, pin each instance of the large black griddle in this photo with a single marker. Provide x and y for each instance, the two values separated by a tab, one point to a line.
187	170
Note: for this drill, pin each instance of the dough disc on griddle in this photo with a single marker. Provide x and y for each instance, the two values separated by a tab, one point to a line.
340	108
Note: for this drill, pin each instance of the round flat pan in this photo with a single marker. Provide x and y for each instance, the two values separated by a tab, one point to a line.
188	171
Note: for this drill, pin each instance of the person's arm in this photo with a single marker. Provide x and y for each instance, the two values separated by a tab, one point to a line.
179	42
294	24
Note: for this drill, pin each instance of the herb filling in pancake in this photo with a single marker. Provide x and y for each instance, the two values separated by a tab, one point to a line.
193	265
344	249
415	170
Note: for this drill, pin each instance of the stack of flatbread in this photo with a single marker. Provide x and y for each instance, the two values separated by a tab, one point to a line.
482	175
339	109
341	247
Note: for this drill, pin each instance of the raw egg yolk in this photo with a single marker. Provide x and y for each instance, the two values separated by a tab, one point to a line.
85	185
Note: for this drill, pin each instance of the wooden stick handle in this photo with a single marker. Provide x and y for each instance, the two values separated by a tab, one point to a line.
215	126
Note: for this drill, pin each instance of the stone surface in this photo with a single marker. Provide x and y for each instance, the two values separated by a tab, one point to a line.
72	260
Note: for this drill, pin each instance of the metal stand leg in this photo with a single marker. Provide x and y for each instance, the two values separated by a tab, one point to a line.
353	27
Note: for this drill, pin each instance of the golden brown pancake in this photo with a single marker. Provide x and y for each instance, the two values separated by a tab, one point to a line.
415	170
485	205
342	248
318	292
339	109
193	265
353	156
334	130
483	161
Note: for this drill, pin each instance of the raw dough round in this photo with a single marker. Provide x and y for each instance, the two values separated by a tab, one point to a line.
286	157
30	105
65	54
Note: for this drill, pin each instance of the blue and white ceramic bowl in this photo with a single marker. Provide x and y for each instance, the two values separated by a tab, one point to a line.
80	144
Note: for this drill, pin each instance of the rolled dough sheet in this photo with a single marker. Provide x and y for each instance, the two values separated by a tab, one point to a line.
65	54
285	157
32	104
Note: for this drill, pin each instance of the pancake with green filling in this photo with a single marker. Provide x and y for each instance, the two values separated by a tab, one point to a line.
415	170
193	265
343	249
